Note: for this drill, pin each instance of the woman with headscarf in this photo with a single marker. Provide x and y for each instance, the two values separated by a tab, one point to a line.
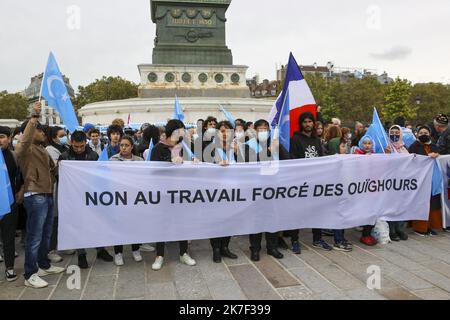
397	229
366	147
424	146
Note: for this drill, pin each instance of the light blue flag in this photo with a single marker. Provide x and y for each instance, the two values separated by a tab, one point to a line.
222	154
227	115
6	194
54	91
104	155
274	134
284	124
231	159
252	143
378	134
150	149
436	182
408	137
188	150
178	112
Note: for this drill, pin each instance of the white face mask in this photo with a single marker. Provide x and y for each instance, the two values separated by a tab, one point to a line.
211	131
263	135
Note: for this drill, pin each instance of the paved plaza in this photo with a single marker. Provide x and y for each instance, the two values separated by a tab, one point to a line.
415	269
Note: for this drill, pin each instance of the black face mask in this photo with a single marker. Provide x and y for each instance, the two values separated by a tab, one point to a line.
394	137
425	138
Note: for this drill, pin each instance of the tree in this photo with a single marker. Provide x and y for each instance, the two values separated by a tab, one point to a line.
359	97
105	89
433	98
397	100
326	92
13	106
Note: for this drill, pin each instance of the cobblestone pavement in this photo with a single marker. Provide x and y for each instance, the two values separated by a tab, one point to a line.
415	269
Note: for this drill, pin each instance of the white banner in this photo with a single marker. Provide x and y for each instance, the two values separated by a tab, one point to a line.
110	203
444	163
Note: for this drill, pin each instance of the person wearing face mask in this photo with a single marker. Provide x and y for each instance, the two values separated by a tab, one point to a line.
209	137
57	145
239	141
305	144
424	146
170	150
267	149
396	141
223	154
397	229
57	142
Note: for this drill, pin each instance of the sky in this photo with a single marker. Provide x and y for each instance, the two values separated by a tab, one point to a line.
409	39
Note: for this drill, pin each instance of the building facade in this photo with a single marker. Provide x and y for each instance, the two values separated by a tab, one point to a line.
49	115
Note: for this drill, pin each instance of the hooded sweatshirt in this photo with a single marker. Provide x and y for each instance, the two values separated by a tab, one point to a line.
303	146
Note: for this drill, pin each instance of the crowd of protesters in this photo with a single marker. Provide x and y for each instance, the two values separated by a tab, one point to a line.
32	154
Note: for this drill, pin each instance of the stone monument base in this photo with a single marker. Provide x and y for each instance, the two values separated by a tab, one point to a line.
161	109
166	81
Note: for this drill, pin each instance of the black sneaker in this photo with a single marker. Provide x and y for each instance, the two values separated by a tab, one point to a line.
10	275
432	233
394	237
104	255
403	236
342	247
282	244
346	243
275	253
322	245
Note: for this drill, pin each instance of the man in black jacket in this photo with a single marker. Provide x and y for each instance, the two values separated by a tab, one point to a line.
79	151
305	144
441	124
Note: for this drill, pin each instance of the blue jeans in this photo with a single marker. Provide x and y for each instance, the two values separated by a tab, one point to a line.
39	209
338	236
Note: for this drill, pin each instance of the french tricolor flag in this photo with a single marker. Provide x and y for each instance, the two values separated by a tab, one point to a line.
295	99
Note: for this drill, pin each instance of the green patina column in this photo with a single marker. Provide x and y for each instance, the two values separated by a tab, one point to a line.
190	32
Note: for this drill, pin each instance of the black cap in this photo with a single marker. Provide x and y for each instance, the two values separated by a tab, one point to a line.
442	119
5	130
25	123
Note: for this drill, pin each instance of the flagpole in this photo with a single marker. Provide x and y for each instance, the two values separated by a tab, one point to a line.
42	82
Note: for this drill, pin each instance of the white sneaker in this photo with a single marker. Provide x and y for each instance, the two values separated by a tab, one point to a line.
51	270
1	258
16	254
137	256
186	259
36	282
157	265
147	248
54	257
118	259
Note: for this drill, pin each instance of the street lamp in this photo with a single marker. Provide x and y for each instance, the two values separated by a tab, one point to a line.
418	100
